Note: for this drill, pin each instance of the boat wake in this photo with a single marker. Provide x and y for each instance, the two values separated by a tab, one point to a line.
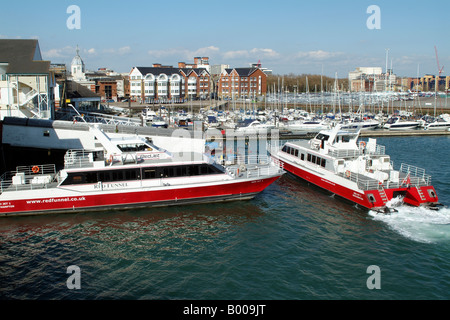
420	224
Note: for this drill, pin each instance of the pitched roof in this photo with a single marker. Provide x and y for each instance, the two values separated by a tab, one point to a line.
158	70
76	90
245	71
242	72
23	57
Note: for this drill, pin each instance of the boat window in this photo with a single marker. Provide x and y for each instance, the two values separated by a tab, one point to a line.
323	163
75	178
181	171
302	156
149	173
104	176
309	157
131	175
91	177
296	152
134	147
168	172
313	160
193	170
117	175
78	179
318	160
322	137
135	174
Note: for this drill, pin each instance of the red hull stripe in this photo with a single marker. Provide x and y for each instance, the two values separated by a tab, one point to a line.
228	191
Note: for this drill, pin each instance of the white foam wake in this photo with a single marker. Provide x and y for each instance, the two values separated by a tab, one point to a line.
417	223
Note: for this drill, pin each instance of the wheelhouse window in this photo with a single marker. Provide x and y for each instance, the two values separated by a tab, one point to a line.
323	137
134	147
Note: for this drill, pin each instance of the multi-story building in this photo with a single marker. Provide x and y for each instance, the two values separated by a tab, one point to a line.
26	82
242	83
372	79
428	83
164	84
199	62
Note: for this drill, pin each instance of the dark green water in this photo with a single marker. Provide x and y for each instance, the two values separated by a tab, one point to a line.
292	242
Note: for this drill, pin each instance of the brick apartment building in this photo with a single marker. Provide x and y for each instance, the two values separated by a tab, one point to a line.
242	83
165	84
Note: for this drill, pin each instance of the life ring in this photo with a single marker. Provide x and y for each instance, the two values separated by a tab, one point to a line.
347	173
35	169
362	144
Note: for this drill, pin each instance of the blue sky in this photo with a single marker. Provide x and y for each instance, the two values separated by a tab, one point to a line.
288	36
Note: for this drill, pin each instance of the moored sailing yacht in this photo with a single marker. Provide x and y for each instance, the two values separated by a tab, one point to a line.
357	171
129	172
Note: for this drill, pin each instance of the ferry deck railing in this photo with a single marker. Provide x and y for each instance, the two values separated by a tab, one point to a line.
251	166
28	178
408	176
352	153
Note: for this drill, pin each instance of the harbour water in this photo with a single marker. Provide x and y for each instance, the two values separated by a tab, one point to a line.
292	242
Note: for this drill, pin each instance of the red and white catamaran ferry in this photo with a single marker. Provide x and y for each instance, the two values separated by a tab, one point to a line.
129	172
357	171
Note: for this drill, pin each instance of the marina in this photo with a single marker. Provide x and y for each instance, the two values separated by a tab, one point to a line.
292	242
171	163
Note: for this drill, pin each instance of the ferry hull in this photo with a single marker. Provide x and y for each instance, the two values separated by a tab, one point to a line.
240	190
370	199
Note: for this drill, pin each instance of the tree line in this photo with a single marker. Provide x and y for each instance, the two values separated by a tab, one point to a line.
300	83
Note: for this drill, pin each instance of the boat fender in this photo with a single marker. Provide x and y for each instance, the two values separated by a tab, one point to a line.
35	169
